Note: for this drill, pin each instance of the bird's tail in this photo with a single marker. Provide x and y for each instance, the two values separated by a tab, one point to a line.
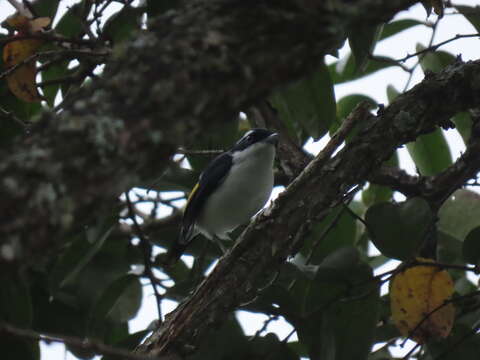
178	247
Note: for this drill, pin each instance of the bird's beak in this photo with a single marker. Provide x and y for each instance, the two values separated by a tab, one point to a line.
272	139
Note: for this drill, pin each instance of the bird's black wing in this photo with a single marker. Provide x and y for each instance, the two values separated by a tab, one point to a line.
210	179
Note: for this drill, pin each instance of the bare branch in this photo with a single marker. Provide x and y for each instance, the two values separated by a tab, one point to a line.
147	255
85	344
432	48
436	189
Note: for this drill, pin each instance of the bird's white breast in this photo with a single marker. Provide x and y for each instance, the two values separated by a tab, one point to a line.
243	193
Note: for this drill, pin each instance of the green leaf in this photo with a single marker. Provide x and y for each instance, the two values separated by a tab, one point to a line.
177	272
377	261
299	348
334	232
286	304
398	230
335	324
345	106
461	344
344	70
226	134
270	347
123	24
77	256
430	153
460	214
331	284
128	343
71	23
381	354
374	194
156	7
46	8
15	300
386	332
310	102
463	123
348	327
61	314
119	303
225	342
398	26
449	249
427	5
175	178
10	129
471	247
66	86
392	93
332	274
472	14
362	40
434	61
53	72
16	348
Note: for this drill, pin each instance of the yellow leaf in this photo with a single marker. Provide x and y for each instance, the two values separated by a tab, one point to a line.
21	81
19	22
418	298
26	26
38	24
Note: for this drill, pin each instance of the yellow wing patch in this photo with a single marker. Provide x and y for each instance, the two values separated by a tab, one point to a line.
195	188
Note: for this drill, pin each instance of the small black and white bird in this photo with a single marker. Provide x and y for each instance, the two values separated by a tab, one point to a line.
231	189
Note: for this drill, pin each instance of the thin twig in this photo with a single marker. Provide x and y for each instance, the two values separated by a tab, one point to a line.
10	115
412	350
360	112
458	343
324	233
199	152
82	343
48	36
473	269
71	53
147	254
433	311
432	37
436	46
390	61
285	340
264	327
13	68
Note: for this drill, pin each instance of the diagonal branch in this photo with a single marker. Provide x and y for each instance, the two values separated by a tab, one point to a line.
436	189
269	240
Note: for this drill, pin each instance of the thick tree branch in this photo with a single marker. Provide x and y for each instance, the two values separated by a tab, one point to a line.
270	239
435	189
